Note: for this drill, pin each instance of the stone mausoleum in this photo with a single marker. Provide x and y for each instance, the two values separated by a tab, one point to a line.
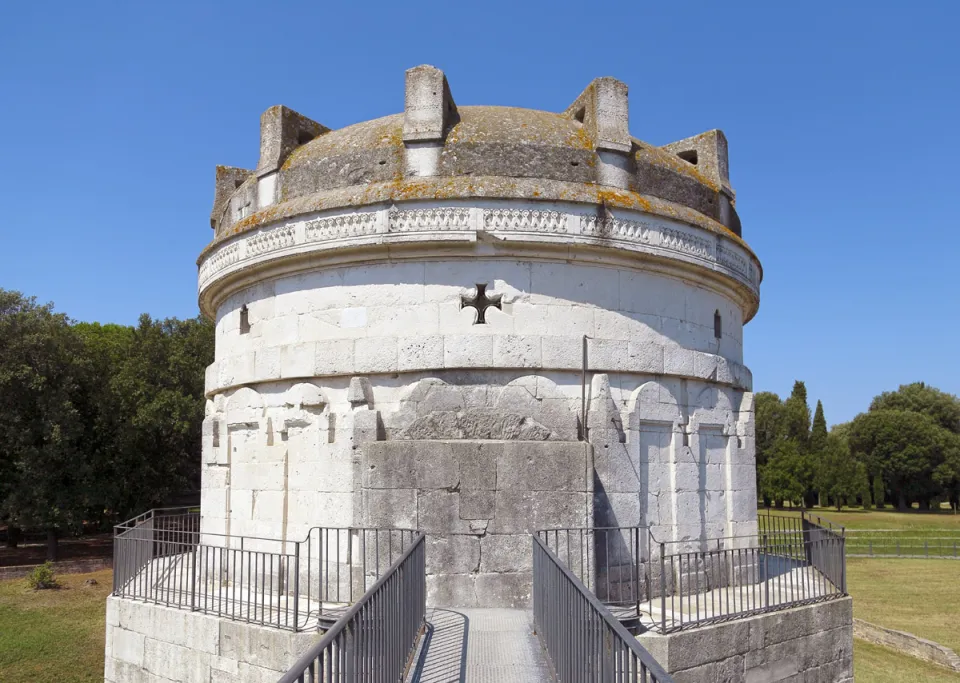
476	321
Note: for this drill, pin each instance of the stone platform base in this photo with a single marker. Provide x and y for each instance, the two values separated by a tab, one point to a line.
812	643
155	644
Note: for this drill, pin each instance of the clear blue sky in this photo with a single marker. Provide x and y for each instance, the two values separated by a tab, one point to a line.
842	119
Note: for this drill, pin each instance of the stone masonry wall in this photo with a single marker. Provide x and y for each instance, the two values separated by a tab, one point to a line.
812	643
155	644
478	502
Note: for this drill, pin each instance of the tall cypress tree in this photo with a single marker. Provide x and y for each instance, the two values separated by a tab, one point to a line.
818	434
797	416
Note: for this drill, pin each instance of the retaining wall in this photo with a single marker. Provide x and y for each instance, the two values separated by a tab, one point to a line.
812	643
155	644
907	643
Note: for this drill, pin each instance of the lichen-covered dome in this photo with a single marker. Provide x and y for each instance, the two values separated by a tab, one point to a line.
571	185
437	150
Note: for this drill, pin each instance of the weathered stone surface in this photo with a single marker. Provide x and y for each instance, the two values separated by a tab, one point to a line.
507	553
477	504
453	554
159	644
790	645
547	467
477	423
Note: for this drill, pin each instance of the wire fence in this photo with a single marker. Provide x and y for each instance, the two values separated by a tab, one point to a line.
163	557
913	543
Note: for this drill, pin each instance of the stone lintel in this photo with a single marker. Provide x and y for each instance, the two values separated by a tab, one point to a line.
428	109
282	130
603	110
228	179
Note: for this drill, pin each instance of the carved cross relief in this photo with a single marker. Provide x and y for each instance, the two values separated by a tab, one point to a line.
481	302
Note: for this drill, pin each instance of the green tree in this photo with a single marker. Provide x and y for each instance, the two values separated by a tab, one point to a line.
783	476
944	408
106	349
44	472
818	433
947	474
839	477
796	416
768	423
159	403
904	448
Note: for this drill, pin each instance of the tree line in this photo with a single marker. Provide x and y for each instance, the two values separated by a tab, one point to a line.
904	449
97	422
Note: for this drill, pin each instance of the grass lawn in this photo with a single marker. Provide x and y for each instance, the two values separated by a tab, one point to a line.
914	520
921	597
53	635
876	664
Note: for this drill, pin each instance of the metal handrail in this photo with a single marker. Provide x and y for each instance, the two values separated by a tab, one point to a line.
163	557
584	642
679	584
376	638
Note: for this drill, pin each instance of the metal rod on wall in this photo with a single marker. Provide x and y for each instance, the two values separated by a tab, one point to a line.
583	392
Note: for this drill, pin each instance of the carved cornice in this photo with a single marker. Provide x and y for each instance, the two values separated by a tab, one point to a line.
629	234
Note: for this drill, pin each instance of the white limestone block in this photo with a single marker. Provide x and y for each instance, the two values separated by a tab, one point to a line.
375	354
127	646
298	360
517	351
743	477
570	321
645	357
238	369
281	330
267	363
635	327
211	377
574	284
743	506
335	357
257	476
324	324
467	351
177	663
451	317
606	354
528	318
387	321
678	360
267	506
446	281
418	352
561	352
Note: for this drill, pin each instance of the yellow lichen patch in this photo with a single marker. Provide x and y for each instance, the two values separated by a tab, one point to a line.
386	132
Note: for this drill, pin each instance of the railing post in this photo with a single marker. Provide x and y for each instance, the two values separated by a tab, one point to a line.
663	589
296	586
193	581
843	564
766	570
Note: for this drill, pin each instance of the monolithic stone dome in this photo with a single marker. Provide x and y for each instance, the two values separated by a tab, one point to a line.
436	150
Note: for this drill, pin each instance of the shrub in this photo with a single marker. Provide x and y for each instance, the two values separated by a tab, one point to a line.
43	577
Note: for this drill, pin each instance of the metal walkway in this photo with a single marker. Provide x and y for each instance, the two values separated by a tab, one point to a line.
480	646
